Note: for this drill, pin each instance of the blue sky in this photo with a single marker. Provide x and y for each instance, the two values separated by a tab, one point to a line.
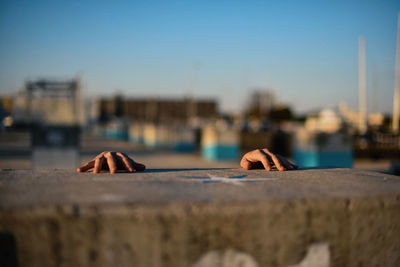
307	51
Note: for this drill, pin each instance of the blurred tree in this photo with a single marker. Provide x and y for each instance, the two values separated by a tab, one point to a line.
260	102
280	113
119	106
103	114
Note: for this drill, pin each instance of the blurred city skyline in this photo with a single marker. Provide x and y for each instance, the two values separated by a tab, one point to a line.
307	52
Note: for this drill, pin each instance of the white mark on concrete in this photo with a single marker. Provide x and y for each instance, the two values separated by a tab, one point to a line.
233	180
227	258
318	255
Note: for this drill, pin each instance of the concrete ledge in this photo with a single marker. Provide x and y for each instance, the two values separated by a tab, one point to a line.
175	217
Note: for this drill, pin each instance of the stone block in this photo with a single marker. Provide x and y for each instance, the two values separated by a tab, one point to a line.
182	217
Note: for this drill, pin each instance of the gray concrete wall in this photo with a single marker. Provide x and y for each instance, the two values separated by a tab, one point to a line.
178	217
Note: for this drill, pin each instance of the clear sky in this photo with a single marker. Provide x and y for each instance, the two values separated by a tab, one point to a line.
307	51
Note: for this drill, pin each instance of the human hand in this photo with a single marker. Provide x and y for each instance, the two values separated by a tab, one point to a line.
112	161
263	158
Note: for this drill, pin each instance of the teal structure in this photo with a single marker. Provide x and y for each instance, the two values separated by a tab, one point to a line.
184	147
220	152
136	140
321	158
116	134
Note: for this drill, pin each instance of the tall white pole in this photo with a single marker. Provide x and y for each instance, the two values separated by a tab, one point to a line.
396	97
362	86
374	103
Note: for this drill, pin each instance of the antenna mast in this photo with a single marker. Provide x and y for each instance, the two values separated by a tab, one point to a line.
396	97
362	86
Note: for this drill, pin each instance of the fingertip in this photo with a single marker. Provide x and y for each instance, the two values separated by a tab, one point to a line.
78	170
140	167
246	165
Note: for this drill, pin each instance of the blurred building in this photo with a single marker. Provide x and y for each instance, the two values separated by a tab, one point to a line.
156	110
6	103
321	143
376	119
326	121
53	112
6	106
49	102
260	103
352	117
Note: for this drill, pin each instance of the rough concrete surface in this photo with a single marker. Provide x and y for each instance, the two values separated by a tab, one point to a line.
176	217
